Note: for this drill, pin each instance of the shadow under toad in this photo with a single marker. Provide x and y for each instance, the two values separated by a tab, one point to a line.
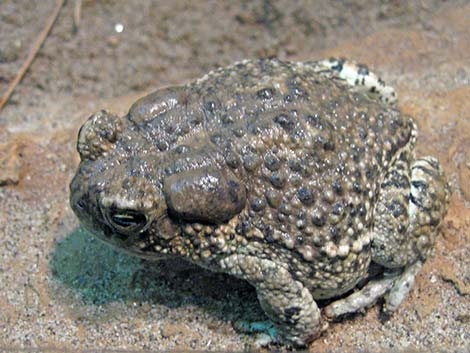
98	275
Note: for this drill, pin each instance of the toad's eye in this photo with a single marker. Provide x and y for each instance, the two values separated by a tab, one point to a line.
126	221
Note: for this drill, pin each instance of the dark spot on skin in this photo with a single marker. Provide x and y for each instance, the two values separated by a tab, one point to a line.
227	119
397	209
362	133
285	209
420	185
339	65
362	211
362	70
319	219
254	129
298	134
232	160
370	173
288	98
396	179
315	120
329	146
170	129
337	187
239	132
268	234
162	145
210	106
418	202
393	127
126	184
380	119
196	121
182	149
334	234
295	165
357	187
289	313
353	212
299	92
272	162
286	122
241	227
258	205
337	209
305	195
250	162
278	180
434	222
217	139
234	190
265	93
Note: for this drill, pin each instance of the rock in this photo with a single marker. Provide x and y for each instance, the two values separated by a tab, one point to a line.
448	274
10	163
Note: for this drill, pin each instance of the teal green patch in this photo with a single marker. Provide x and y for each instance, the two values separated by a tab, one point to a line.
266	327
95	271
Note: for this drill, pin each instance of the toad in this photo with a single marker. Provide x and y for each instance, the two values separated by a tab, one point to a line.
298	177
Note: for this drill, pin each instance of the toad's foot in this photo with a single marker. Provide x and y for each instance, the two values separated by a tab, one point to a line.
393	286
266	333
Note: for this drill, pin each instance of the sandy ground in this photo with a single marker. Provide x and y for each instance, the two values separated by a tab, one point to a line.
62	290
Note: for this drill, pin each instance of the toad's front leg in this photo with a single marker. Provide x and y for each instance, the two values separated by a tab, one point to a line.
286	301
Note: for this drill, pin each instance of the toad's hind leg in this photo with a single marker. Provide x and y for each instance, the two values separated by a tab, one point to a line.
407	217
358	76
411	205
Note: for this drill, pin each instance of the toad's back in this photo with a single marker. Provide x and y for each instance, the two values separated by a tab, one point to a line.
310	149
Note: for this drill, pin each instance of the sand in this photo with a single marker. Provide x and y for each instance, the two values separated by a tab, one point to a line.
61	290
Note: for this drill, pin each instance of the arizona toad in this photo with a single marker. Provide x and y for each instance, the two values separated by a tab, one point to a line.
295	176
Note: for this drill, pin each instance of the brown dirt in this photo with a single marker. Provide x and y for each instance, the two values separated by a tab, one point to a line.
60	289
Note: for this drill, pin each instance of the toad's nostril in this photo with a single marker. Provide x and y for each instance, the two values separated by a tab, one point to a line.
81	204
